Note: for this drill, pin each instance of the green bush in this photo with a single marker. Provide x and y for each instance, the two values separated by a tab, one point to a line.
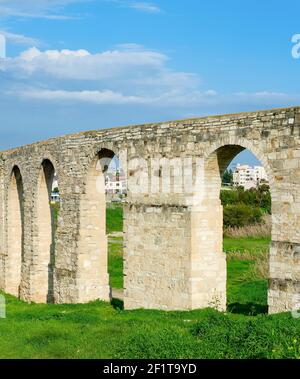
260	197
241	215
55	209
227	177
229	197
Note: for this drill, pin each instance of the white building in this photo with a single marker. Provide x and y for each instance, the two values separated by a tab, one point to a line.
249	177
115	183
55	182
55	197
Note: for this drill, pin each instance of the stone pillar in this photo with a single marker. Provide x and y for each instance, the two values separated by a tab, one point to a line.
81	261
44	244
157	268
14	233
284	265
208	261
284	282
173	259
65	289
93	278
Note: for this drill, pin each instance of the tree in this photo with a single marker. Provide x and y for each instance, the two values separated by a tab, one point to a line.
227	177
241	215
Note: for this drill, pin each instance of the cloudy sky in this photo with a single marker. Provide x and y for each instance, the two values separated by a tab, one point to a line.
74	65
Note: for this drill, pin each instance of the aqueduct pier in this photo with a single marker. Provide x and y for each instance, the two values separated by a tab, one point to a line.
173	256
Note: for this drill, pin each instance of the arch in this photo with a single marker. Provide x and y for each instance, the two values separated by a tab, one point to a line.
93	278
221	153
208	222
15	232
243	144
44	259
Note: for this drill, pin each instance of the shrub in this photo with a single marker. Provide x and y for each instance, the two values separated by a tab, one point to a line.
262	230
260	197
241	215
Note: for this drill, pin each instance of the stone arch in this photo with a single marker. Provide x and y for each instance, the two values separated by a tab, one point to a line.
44	258
15	232
242	144
221	153
92	277
207	220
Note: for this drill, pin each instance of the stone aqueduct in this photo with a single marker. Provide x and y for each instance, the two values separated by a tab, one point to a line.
172	245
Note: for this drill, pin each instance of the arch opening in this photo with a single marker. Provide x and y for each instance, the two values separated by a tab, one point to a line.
15	233
237	204
44	261
101	214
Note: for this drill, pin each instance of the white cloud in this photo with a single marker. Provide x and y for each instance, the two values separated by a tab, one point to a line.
48	9
19	39
33	53
129	46
128	74
117	98
81	65
11	12
261	95
54	9
259	99
137	5
145	7
97	97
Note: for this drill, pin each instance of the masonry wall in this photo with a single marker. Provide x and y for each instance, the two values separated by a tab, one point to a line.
157	246
2	242
273	136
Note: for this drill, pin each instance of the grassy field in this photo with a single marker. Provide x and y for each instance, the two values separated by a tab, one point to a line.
103	330
114	218
246	244
115	261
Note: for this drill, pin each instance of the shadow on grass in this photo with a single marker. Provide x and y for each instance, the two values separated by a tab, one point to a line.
117	303
247	309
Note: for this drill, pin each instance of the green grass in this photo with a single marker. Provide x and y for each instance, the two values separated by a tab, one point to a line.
246	244
103	330
115	261
114	218
245	294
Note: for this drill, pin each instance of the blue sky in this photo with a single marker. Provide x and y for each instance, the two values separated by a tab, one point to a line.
76	65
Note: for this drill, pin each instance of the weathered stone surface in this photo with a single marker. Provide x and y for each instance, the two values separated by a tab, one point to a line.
173	239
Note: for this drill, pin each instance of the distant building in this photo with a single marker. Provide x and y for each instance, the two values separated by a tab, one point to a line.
115	183
54	194
249	177
55	182
54	197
